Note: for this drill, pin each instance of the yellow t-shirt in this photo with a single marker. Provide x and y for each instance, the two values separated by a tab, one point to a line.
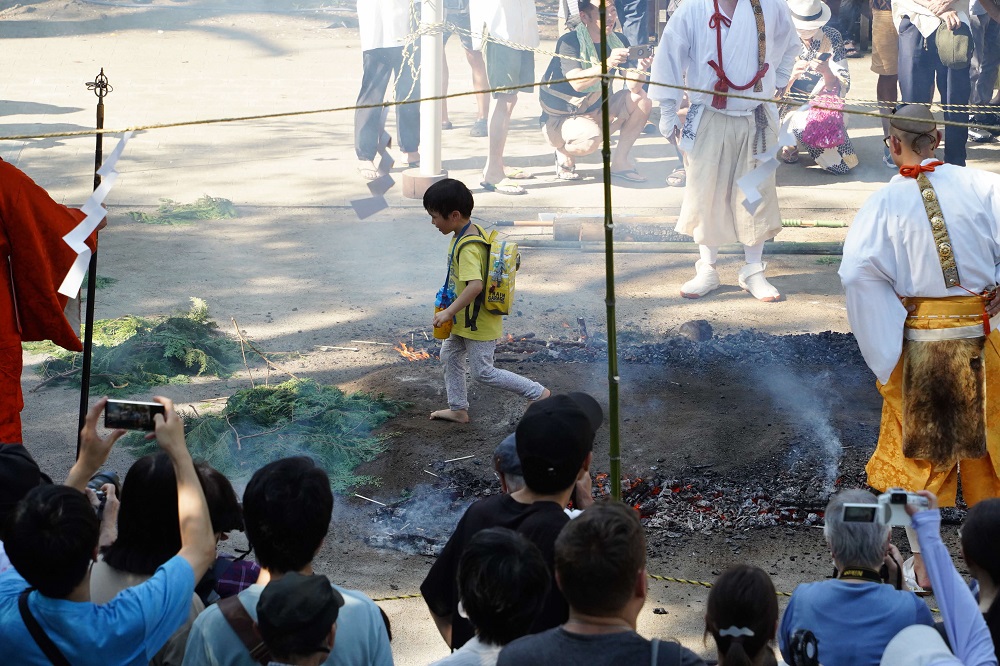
468	264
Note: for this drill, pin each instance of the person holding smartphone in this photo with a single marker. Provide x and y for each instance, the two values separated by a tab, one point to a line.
820	71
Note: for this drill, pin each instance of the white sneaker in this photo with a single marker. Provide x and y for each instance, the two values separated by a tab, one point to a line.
752	279
705	281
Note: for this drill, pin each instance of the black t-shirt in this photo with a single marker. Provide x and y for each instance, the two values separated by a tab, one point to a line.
568	47
559	646
540	523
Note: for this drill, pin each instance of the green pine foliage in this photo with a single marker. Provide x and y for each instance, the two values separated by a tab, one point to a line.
172	213
132	354
299	417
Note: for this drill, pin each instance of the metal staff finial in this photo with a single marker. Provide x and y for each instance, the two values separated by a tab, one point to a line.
100	85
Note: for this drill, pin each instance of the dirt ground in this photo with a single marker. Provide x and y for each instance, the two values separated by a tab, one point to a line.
776	408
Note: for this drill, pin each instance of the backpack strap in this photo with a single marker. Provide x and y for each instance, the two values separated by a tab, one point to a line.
245	628
41	638
472	310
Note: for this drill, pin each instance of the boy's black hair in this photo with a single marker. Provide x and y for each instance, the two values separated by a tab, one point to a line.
502	582
598	558
51	539
449	195
287	508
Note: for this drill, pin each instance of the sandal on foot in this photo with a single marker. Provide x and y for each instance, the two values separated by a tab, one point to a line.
677	178
518	174
368	171
630	175
505	186
566	172
789	155
851	49
479	128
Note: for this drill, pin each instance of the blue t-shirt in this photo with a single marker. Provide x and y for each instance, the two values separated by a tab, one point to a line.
361	635
130	629
852	622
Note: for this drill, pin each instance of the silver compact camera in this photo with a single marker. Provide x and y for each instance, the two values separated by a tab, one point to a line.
889	510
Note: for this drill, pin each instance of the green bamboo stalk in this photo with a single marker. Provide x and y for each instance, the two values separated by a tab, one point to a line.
615	470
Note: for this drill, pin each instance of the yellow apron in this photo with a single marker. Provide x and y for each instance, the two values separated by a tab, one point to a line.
888	466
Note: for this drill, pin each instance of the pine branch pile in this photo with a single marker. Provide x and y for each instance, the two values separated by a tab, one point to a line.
178	214
299	417
132	354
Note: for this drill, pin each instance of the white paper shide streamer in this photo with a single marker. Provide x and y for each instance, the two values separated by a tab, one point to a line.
768	164
76	238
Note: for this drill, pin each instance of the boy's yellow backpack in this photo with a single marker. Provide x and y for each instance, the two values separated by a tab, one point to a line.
502	263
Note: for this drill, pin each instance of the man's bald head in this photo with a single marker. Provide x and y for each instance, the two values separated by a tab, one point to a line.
915	127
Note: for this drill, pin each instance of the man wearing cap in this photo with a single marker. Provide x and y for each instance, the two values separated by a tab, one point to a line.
935	42
746	48
19	473
555	439
287	509
920	265
297	618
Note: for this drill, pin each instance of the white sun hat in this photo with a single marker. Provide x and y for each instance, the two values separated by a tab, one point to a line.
918	645
809	14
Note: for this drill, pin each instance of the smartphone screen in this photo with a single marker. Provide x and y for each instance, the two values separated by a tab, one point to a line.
131	415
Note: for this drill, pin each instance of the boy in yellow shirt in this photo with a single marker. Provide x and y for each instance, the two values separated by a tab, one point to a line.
474	331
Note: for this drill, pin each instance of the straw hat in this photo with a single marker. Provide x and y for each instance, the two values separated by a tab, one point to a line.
809	14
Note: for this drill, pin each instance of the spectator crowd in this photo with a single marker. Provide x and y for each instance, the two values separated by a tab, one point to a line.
917	47
540	573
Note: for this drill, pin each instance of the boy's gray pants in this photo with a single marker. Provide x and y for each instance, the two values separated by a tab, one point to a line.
480	353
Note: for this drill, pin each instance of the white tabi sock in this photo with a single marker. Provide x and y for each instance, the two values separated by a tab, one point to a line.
754	253
710	253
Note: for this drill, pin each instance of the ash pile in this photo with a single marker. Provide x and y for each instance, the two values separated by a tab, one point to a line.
689	348
421	523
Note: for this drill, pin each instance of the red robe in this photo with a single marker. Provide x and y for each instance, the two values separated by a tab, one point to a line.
34	259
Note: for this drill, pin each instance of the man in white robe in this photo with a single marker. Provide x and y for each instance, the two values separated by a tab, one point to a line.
895	283
723	136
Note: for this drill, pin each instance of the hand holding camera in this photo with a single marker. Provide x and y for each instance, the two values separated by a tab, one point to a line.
893	508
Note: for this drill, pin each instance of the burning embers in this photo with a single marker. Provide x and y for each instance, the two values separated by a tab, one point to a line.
411	353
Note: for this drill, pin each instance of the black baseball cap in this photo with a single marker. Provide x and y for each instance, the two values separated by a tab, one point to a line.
554	437
297	611
19	473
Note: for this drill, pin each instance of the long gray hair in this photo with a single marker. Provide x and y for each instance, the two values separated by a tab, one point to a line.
855	544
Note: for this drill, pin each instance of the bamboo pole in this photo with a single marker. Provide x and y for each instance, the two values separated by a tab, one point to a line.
615	470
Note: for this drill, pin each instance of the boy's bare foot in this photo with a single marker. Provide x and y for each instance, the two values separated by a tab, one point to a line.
455	415
545	394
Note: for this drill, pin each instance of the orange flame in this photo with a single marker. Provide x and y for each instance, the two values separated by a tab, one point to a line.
411	353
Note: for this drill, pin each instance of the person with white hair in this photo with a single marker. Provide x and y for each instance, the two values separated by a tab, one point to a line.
856	604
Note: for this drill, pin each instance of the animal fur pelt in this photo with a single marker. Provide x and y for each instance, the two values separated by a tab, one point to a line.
944	400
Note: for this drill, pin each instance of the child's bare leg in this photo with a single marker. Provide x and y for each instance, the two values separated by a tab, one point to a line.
453	352
545	394
481	360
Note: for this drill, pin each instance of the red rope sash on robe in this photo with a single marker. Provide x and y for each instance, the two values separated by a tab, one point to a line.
723	85
914	170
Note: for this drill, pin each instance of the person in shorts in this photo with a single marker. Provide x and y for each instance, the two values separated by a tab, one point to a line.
571	112
885	63
456	12
497	25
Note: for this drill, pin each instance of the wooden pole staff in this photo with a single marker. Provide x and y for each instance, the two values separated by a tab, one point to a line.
101	88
